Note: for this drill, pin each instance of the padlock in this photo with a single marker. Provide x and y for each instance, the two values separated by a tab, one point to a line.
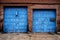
52	19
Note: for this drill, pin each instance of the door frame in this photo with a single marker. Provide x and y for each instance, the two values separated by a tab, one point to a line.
4	5
45	7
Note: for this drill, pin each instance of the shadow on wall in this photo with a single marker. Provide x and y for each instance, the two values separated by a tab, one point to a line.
58	25
1	25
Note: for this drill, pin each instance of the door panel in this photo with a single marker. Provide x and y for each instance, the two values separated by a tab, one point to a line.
44	20
15	19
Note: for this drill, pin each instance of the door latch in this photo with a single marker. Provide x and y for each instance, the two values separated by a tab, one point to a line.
52	19
16	13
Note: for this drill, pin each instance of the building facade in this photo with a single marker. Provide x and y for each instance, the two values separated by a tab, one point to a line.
30	15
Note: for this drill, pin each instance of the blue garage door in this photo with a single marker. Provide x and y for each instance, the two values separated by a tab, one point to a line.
44	20
15	19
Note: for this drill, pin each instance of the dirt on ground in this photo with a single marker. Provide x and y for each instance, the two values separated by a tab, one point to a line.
29	36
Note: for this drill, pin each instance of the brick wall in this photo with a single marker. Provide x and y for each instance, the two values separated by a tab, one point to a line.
58	19
1	17
29	1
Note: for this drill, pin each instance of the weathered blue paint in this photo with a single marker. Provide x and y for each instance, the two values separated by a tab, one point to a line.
41	21
15	19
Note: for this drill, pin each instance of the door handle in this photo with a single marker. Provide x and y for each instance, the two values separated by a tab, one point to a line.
52	19
16	13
